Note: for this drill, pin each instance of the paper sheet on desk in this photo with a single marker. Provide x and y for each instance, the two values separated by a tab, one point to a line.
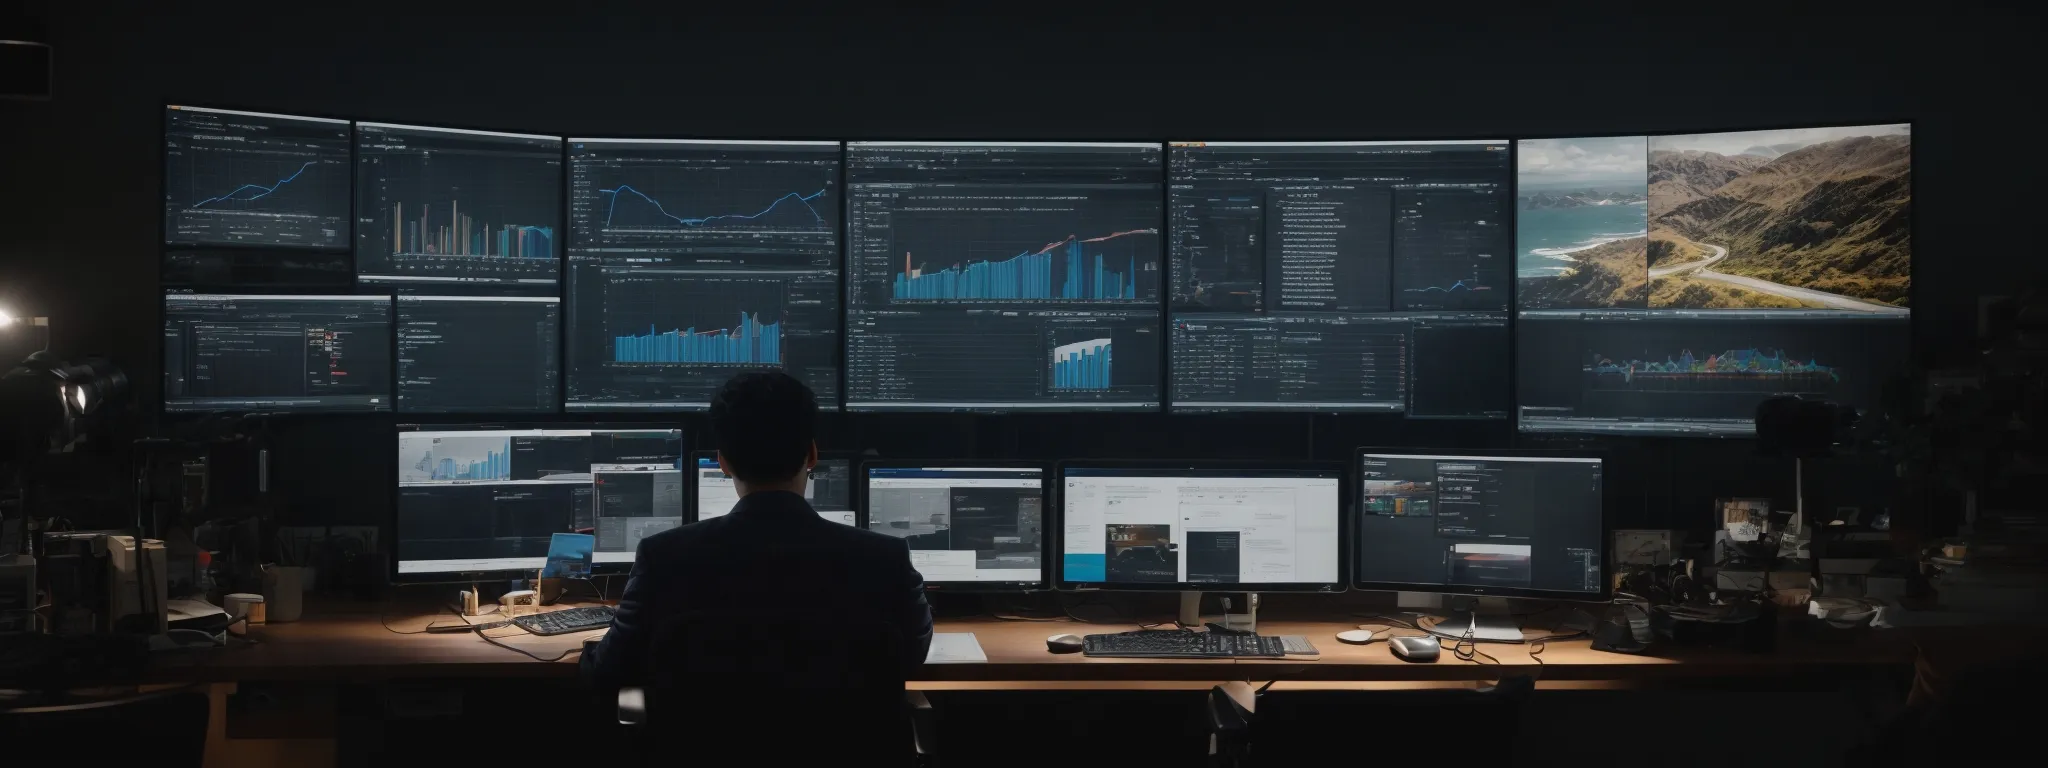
955	648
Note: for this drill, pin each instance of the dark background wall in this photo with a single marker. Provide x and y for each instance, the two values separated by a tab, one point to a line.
79	222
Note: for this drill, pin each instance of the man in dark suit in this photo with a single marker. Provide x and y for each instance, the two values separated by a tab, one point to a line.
738	582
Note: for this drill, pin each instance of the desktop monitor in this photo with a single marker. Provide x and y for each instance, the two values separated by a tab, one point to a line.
1481	522
277	352
1188	526
479	499
691	260
971	526
829	489
1667	285
1339	276
1003	276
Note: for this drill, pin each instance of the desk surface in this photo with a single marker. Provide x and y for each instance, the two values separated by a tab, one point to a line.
358	647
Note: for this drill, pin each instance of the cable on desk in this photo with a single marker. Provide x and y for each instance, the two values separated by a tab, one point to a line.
529	654
384	618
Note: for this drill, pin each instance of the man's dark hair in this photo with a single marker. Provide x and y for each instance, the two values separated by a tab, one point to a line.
764	423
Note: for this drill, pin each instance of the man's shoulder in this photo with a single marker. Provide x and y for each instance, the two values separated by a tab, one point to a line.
866	539
680	536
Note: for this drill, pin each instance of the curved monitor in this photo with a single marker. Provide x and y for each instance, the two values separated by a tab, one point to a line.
1221	527
1481	522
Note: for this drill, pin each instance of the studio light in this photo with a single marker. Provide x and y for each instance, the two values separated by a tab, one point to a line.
89	383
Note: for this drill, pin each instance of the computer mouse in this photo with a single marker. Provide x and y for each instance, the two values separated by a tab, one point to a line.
1417	649
1355	636
1064	643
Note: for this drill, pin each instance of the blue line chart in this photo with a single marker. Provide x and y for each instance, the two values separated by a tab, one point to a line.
267	191
1457	286
803	199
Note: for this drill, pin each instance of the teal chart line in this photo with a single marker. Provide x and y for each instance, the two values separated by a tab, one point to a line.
698	222
266	190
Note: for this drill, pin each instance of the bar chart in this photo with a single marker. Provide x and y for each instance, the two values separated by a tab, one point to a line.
1082	365
454	458
1083	276
748	342
429	234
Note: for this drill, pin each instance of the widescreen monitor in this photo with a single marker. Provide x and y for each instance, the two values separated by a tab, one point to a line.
489	498
1669	284
277	352
452	208
829	488
692	260
1340	276
255	179
1218	527
1003	276
971	526
1480	522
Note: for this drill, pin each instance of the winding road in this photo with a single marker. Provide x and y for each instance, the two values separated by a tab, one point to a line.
1700	269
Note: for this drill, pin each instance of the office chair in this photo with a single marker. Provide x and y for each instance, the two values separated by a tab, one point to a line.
1289	727
170	724
786	686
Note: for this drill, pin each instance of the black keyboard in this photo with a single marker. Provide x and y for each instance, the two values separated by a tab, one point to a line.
1180	644
564	622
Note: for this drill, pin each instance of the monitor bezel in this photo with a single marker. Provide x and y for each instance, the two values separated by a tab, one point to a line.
1047	516
465	577
695	514
1343	526
1357	509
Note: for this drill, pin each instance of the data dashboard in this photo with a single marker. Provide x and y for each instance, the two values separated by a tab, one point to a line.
276	352
1339	276
693	260
1003	276
255	179
482	498
449	206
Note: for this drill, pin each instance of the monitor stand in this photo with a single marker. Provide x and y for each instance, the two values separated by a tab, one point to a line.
1481	618
1191	613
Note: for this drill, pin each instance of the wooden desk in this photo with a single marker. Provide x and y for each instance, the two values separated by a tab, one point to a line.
357	648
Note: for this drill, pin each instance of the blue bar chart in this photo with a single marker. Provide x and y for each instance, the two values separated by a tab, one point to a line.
1029	275
748	342
1082	365
495	464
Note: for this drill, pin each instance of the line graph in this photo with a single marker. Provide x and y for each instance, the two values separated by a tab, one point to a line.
1452	288
805	200
640	195
1448	245
1735	368
267	191
255	180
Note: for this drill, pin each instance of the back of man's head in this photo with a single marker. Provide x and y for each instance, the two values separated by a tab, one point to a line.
765	423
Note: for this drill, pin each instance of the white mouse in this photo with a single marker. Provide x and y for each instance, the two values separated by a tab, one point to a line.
1064	643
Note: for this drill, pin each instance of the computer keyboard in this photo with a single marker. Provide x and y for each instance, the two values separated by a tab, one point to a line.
564	622
1181	644
1298	645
